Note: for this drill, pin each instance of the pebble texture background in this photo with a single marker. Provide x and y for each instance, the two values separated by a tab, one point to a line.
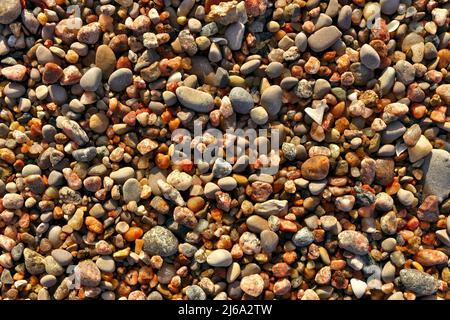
93	206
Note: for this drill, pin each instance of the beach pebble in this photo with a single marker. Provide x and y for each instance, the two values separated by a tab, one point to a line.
253	285
324	38
419	282
91	80
160	241
195	99
241	100
271	99
369	57
353	241
120	79
219	258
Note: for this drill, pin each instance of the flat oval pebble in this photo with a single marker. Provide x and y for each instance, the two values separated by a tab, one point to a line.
271	99
91	80
369	57
323	38
120	79
241	100
353	241
220	258
193	99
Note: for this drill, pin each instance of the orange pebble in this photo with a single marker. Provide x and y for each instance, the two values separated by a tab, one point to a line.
133	233
413	223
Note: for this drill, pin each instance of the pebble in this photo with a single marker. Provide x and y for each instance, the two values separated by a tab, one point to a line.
301	41
388	272
221	168
220	258
34	262
353	241
63	257
344	20
91	80
358	287
98	122
235	35
253	285
315	168
9	11
48	280
179	180
106	264
105	59
389	6
257	224
195	292
271	207
120	79
131	190
420	150
12	201
259	115
303	238
269	241
160	241
421	283
88	273
122	175
271	99
404	72
369	57
249	67
405	197
14	73
241	100
429	257
429	209
227	183
324	38
436	174
195	100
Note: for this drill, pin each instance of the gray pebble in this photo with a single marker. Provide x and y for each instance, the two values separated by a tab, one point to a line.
131	190
436	170
106	264
419	282
369	57
235	35
48	280
303	237
85	154
91	80
160	241
241	100
122	175
120	79
271	99
63	257
274	69
324	38
196	100
250	66
194	292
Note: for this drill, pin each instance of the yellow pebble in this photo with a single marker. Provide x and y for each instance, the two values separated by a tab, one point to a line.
417	265
72	56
